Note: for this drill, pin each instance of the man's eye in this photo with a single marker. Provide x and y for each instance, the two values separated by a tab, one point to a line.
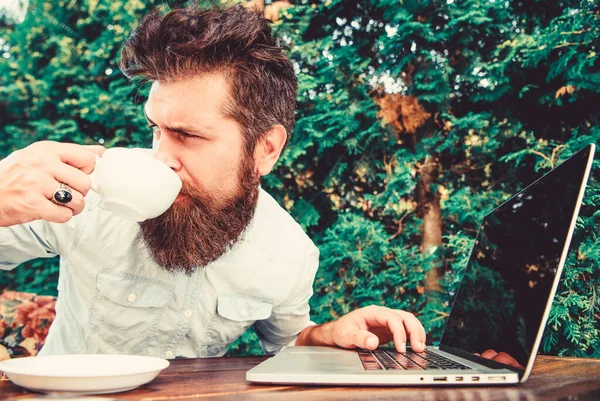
187	136
155	130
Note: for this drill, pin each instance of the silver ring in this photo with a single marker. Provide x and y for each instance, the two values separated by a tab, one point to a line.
62	195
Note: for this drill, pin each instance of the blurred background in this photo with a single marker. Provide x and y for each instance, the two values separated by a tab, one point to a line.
416	118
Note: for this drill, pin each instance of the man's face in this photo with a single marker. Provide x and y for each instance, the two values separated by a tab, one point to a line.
220	187
193	137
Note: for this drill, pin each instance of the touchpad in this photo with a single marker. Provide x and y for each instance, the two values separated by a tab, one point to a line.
321	361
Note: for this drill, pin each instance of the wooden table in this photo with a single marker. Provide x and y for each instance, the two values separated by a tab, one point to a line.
553	378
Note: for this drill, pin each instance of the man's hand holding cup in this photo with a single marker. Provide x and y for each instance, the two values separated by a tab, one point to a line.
49	180
35	180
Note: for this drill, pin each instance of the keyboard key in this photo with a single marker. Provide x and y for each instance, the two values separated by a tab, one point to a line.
406	363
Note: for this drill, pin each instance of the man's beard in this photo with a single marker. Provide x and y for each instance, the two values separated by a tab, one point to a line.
201	228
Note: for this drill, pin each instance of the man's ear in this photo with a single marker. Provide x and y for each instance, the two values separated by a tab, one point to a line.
268	149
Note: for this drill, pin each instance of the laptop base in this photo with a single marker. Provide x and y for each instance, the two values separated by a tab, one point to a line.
334	366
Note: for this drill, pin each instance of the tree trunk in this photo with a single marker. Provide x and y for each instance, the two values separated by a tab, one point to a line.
429	204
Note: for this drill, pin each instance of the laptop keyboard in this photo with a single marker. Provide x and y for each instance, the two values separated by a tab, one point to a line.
390	359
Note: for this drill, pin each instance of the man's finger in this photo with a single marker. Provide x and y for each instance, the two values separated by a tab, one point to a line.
81	157
401	324
399	333
489	354
379	317
364	339
415	331
55	213
71	176
506	359
97	149
394	322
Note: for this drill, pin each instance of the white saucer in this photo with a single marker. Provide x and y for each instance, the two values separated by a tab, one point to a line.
85	374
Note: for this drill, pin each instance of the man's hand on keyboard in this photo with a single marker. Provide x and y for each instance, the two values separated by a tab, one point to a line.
501	357
368	328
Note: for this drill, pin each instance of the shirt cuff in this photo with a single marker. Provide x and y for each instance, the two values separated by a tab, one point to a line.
293	342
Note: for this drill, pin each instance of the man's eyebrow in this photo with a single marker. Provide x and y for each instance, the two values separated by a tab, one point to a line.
182	129
148	118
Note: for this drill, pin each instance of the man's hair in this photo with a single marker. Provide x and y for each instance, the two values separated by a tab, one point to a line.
231	40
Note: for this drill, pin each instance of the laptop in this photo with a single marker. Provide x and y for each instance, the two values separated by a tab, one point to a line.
502	303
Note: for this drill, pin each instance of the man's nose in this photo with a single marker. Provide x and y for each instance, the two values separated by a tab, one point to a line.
166	153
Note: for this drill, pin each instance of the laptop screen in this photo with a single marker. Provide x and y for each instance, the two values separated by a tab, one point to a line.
509	277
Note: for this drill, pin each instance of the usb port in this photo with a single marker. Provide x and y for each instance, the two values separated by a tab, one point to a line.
475	378
440	379
458	378
497	378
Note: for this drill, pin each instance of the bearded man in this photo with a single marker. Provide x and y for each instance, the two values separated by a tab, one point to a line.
225	256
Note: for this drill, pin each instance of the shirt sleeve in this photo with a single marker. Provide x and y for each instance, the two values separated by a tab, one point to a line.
288	319
37	239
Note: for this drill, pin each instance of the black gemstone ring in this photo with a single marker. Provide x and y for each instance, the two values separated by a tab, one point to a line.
62	195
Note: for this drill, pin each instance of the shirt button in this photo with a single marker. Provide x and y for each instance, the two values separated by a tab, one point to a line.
169	354
131	297
187	313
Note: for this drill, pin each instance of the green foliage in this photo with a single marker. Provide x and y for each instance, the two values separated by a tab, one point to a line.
61	80
508	98
246	344
493	93
39	276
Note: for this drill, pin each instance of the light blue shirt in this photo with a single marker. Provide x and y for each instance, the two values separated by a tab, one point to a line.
114	299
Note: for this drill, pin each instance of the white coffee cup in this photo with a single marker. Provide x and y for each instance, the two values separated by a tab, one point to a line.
133	184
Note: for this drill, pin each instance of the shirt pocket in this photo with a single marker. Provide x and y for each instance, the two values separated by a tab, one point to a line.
234	314
126	310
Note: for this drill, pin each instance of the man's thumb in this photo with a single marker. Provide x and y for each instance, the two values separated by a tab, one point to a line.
97	149
366	340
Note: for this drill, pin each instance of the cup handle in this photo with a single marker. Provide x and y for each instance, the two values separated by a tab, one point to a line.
93	175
